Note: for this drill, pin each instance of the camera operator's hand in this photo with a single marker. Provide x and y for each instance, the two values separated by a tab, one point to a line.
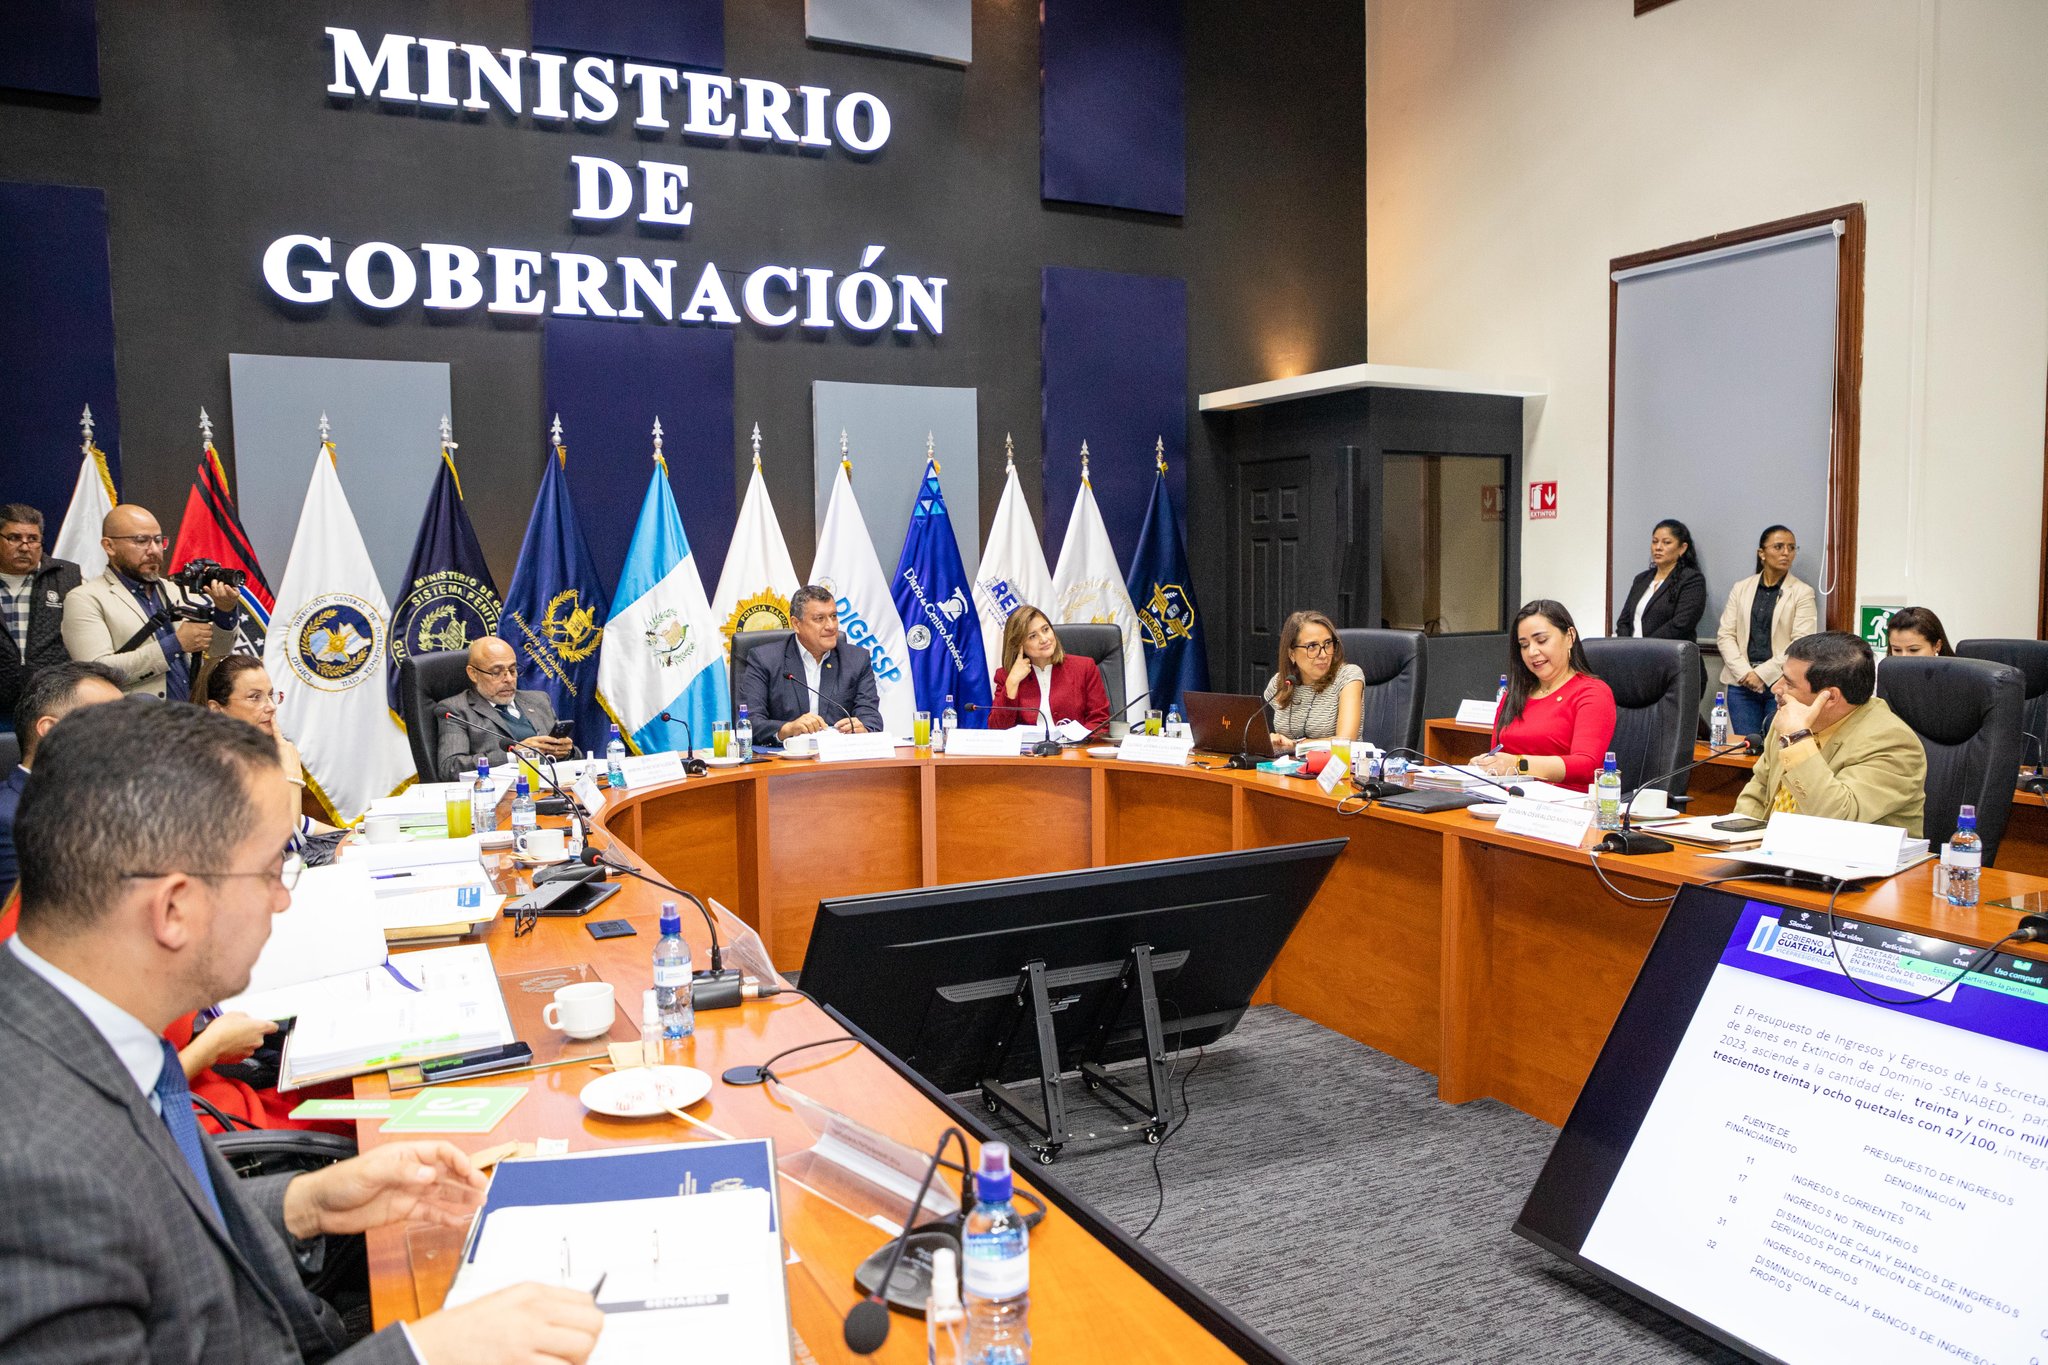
193	636
225	599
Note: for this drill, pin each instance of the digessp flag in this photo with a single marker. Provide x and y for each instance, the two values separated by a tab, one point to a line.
449	600
932	596
662	650
1163	594
848	568
1013	572
554	615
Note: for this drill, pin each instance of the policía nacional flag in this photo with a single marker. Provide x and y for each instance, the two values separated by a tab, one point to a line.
448	600
1163	591
328	641
92	497
755	586
555	611
1088	586
662	648
931	594
1013	572
212	529
847	567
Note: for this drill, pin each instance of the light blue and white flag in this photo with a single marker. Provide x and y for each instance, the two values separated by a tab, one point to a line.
662	647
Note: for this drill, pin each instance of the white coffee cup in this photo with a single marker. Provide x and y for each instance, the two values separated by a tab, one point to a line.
583	1010
547	845
381	829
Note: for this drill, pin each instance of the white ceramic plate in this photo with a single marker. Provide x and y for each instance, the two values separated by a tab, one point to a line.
495	838
1487	810
1103	751
729	761
640	1092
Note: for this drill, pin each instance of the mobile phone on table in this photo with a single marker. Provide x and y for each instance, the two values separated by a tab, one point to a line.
1738	824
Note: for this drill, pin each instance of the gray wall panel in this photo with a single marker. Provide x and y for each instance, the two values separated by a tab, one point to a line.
921	28
885	427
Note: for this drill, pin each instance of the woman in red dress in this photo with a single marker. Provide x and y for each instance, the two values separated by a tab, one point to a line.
1036	670
1557	723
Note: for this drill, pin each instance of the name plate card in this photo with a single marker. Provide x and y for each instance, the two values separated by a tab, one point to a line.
1571	826
1477	711
836	747
1791	835
984	743
1332	773
589	793
650	770
1170	750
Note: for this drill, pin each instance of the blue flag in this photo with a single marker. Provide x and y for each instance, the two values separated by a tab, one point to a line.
446	599
1163	592
555	613
934	598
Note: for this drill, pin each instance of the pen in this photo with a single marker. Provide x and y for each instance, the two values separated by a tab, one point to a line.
598	1288
387	876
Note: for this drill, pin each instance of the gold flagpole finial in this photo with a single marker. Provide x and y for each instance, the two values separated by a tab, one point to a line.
845	461
85	425
659	458
1159	453
555	438
447	434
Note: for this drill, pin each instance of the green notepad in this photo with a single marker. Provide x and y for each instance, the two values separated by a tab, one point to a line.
456	1109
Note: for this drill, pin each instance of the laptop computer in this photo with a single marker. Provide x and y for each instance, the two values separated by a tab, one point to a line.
1228	723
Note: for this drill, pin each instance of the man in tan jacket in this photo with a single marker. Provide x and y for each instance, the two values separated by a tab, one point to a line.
1834	749
103	615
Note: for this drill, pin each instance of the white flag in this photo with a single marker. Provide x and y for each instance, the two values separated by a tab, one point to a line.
1013	572
756	583
329	639
1088	586
92	497
847	566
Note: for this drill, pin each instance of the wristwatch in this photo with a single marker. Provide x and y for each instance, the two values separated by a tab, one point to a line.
1522	764
1787	741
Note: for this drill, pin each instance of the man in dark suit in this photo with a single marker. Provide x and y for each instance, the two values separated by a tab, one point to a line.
32	592
152	846
786	690
52	694
493	714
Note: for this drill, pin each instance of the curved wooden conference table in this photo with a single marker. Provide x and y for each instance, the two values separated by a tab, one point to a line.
1495	962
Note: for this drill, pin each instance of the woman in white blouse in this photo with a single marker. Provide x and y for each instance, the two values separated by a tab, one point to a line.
1315	694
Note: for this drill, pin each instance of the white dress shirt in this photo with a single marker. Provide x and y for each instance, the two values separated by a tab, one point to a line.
1644	601
814	669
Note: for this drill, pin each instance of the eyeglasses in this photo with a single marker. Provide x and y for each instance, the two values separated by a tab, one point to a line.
287	872
143	542
19	538
1320	650
502	671
524	916
275	698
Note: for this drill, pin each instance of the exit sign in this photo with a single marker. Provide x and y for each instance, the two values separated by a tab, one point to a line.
1543	501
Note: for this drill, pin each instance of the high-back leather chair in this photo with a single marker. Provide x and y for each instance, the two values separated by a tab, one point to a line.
2030	657
1967	714
423	680
10	753
745	642
1656	686
1105	645
1393	663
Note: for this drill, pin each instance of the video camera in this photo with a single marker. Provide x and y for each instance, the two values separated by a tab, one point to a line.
201	574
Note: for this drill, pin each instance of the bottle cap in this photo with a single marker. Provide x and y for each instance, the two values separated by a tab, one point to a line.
522	791
1966	818
1610	759
483	767
945	1279
671	918
743	708
992	1181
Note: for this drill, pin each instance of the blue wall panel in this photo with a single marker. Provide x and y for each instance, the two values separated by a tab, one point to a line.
52	46
1114	105
686	32
1115	360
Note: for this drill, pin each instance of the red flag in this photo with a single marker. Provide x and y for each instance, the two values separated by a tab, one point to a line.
210	529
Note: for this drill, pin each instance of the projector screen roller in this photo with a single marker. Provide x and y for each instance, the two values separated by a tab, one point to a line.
1805	1173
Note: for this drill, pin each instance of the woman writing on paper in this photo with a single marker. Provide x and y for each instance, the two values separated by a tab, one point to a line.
1667	599
1038	679
1765	613
1558	720
1314	693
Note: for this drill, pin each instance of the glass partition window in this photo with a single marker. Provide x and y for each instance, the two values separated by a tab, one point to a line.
1443	538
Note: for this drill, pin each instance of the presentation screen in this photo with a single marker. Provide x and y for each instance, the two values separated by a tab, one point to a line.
1805	1173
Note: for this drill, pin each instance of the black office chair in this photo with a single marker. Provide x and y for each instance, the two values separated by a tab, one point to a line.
1656	687
10	753
2030	657
1105	645
423	681
745	642
1967	714
1394	675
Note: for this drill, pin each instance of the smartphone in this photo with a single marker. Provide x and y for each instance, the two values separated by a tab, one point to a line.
611	928
1739	824
510	1057
562	729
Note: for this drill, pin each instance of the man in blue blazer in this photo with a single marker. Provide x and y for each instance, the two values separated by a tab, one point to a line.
815	680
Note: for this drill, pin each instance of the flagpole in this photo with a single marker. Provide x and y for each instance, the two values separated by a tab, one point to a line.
448	449
555	435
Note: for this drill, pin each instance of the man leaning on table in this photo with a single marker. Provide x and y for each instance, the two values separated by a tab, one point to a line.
127	1237
1834	749
815	681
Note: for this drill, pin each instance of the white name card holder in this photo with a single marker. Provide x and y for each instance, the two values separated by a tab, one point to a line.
649	770
1477	711
1332	773
589	793
965	743
1163	749
834	746
1571	826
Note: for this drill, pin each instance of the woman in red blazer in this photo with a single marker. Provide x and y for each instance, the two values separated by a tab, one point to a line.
1035	667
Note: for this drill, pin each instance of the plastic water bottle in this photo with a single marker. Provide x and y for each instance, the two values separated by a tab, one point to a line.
483	807
1500	698
1717	724
1961	859
996	1267
949	721
1607	795
615	760
525	819
1173	720
672	984
743	736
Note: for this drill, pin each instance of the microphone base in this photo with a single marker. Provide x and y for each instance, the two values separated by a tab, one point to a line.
716	990
1046	748
1243	762
1632	843
911	1286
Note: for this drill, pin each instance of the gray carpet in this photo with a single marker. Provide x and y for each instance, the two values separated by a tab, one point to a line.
1324	1194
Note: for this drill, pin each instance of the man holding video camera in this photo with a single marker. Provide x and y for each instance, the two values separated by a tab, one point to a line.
145	628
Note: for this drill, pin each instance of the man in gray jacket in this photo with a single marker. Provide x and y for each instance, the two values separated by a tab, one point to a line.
127	1237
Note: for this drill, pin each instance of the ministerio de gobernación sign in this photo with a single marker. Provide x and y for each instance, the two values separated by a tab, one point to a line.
595	91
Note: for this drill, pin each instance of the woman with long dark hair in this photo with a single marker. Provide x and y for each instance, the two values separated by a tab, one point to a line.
1916	632
1667	599
1557	721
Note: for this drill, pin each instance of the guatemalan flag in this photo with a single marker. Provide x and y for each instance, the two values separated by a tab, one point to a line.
662	647
934	599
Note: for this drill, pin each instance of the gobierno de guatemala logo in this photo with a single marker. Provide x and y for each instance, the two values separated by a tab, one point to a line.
336	640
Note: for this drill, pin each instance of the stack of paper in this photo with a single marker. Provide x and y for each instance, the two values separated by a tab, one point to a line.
1846	850
434	1003
1442	778
330	927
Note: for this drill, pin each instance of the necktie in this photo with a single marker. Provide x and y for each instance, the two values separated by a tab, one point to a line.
176	1102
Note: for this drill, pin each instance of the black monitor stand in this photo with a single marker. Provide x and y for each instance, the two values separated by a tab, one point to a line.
1048	1121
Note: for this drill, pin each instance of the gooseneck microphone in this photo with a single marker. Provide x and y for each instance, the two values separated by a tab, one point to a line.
1633	843
595	858
821	699
1454	767
1243	759
692	765
867	1325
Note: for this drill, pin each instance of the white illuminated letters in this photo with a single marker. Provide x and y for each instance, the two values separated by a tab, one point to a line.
308	286
603	189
